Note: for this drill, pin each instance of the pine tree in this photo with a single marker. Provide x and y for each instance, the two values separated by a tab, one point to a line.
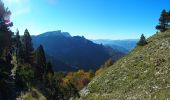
18	42
27	47
5	32
142	41
49	68
164	21
163	18
41	65
6	90
19	51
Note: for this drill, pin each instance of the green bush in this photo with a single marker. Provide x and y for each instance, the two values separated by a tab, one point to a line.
24	76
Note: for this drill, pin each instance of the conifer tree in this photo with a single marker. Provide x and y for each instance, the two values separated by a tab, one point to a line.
142	41
163	18
19	50
27	47
164	21
6	90
5	32
18	42
49	68
41	65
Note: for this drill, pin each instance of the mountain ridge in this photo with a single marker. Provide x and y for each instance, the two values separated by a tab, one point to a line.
76	51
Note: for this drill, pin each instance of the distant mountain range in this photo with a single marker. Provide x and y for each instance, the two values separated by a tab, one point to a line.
74	52
121	45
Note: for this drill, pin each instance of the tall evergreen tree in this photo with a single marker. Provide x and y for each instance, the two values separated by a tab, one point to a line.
18	42
18	47
142	41
5	32
27	47
41	65
6	90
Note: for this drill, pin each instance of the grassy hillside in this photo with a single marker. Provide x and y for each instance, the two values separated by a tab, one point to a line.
143	74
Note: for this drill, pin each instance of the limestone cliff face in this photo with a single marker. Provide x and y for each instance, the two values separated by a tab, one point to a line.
143	74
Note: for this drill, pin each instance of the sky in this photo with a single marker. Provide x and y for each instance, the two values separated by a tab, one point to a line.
94	19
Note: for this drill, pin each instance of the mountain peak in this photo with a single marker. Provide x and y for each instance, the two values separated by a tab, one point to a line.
55	34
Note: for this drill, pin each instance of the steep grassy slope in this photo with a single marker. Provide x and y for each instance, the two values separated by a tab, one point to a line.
144	74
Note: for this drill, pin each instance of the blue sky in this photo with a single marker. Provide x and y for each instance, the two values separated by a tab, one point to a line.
94	19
